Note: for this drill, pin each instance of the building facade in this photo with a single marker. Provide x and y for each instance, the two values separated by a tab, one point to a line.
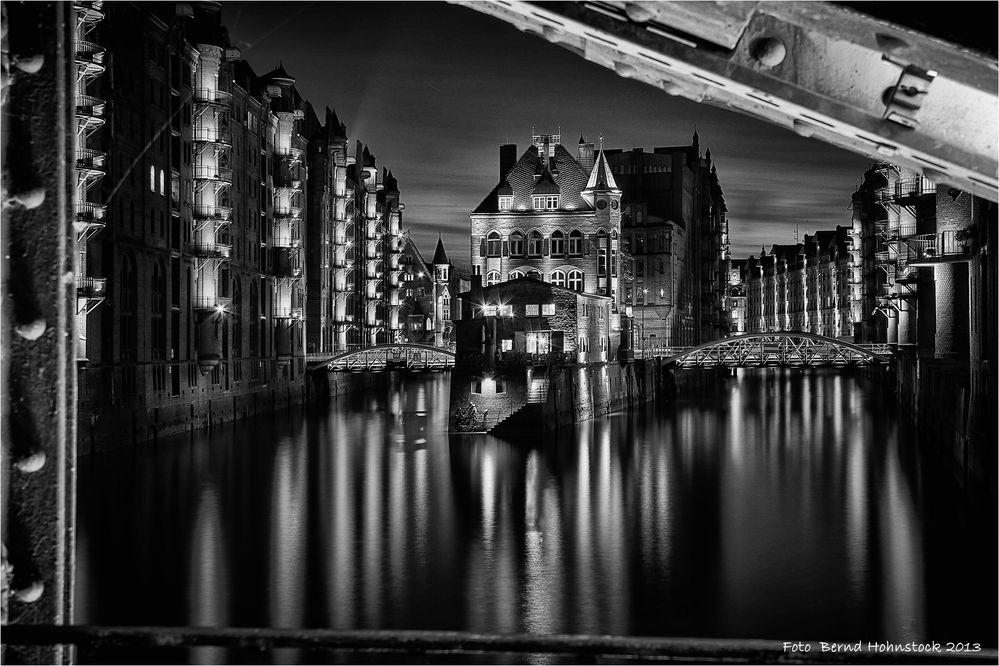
237	230
552	216
674	227
649	230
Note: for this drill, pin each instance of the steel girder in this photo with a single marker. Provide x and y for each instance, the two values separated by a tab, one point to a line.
791	349
818	69
411	356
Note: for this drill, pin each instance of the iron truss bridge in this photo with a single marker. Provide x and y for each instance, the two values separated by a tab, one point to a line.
767	350
385	357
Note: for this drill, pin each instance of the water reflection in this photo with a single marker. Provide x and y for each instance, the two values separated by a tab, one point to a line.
788	506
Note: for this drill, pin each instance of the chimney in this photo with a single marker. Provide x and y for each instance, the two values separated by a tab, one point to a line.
585	155
508	158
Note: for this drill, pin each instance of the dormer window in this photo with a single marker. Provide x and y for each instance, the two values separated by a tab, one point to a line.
545	202
505	203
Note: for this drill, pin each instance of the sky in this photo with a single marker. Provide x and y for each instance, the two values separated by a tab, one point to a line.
434	89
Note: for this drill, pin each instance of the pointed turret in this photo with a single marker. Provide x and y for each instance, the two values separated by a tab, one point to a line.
440	254
601	177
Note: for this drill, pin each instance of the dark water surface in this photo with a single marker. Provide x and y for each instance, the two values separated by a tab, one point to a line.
791	507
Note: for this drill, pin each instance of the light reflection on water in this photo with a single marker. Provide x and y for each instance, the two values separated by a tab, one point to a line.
786	506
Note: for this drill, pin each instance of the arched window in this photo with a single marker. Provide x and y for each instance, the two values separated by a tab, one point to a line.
158	313
515	274
534	244
558	244
493	244
492	277
558	278
576	280
534	275
575	243
516	244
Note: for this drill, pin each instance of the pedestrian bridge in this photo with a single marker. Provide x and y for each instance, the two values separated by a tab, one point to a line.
384	357
765	350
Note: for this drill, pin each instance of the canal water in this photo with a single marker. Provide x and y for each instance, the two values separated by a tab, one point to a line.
786	506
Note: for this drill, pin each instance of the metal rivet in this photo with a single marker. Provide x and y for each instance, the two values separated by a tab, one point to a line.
637	12
29	199
31	593
768	51
624	69
802	128
32	330
890	43
31	463
29	65
669	87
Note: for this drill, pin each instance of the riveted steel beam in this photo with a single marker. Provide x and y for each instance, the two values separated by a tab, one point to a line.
818	69
37	359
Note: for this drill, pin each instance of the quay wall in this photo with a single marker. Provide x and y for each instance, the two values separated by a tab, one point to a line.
115	426
575	393
955	421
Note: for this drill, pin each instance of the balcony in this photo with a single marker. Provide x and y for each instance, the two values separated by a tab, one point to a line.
945	247
90	163
212	96
90	287
288	313
216	303
292	154
911	188
89	112
218	135
883	257
211	212
282	212
89	11
209	250
89	58
286	240
213	173
90	213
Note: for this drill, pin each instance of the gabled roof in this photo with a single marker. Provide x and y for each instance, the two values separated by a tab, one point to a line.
567	175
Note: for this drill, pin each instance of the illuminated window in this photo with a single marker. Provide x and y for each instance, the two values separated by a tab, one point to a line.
516	244
506	344
489	310
532	310
548	309
162	182
551	201
538	203
506	310
492	277
575	242
534	244
558	244
576	280
558	278
152	179
493	244
505	203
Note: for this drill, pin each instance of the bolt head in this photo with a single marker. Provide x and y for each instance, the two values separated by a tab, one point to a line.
768	51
